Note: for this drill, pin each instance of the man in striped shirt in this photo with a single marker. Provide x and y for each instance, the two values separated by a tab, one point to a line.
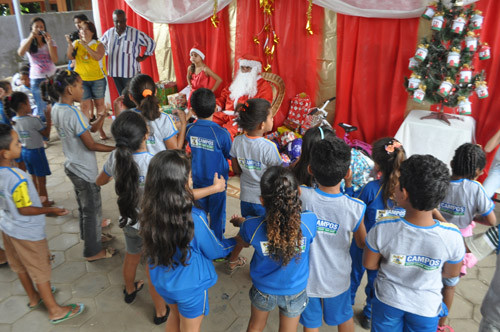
123	46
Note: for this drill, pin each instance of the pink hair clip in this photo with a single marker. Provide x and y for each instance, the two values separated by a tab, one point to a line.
392	146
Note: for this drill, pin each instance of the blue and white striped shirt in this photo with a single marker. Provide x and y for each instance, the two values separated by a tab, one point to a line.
122	51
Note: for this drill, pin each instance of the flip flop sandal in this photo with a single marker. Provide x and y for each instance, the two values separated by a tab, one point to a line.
70	313
109	253
162	319
53	289
445	328
129	298
240	262
105	223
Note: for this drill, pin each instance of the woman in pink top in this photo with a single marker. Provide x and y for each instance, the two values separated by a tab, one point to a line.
199	74
42	55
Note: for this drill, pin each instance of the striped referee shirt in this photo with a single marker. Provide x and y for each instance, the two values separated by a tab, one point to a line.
122	51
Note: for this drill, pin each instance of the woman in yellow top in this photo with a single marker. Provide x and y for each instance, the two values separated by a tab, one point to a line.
88	53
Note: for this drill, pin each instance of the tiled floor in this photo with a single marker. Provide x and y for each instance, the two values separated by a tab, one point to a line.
99	285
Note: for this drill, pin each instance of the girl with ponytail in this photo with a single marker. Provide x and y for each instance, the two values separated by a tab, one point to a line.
282	239
388	154
128	165
162	131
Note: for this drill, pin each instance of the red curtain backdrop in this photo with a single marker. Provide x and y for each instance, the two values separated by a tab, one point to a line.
214	43
106	9
487	111
296	54
372	61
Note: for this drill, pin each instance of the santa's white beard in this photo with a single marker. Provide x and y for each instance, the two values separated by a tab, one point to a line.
244	84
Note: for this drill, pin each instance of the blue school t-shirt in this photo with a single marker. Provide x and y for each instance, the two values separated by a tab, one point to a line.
199	273
210	145
371	194
270	276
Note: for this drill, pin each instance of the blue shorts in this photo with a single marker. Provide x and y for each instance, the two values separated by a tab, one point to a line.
386	318
35	161
334	310
290	305
251	209
193	306
94	89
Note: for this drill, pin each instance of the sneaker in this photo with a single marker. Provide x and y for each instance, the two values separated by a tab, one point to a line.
365	322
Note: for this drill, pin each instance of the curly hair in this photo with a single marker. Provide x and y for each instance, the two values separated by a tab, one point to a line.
149	105
13	102
468	159
426	179
55	86
279	190
252	113
312	135
330	161
166	222
128	130
389	163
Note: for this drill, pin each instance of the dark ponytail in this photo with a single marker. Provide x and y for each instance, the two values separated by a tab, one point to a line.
388	154
128	130
468	159
252	113
55	86
11	103
143	89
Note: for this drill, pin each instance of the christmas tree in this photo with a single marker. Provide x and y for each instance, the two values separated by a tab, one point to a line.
443	65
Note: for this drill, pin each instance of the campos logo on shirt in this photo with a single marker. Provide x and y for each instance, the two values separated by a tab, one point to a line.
389	213
250	164
151	140
61	132
420	261
142	181
202	143
264	246
328	227
455	210
24	134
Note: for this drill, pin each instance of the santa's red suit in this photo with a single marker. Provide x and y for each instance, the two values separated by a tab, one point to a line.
264	91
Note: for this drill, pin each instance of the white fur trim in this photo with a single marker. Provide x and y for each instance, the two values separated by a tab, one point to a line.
197	51
250	63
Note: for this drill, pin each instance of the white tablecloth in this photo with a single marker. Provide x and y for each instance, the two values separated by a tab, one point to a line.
435	137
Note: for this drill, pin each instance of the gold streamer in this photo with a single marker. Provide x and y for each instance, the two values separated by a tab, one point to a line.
267	33
309	17
214	19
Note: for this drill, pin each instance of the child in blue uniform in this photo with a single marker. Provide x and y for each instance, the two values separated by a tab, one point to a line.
31	131
410	253
282	239
210	145
465	199
177	241
388	154
339	216
23	225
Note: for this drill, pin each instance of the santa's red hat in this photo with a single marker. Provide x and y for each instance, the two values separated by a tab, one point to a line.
250	60
197	49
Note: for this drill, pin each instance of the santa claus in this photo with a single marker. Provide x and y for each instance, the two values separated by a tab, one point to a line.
246	85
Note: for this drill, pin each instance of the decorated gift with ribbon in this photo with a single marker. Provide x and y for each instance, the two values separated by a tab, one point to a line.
419	94
414	82
163	90
445	87
178	100
299	107
476	20
421	52
429	11
437	21
481	89
459	24
484	52
413	64
465	74
471	41
453	59
464	105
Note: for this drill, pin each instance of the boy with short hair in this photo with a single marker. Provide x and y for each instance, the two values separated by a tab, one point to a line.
24	85
22	222
413	253
338	215
210	145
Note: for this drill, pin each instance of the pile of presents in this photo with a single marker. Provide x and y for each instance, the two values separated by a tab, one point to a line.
170	98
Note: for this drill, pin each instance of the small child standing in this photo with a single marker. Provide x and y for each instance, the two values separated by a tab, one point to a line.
282	240
5	113
25	86
465	199
338	216
23	225
199	74
251	154
162	131
410	253
210	145
81	164
31	131
178	242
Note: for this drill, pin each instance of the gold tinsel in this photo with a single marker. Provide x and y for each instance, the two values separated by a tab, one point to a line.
214	19
309	17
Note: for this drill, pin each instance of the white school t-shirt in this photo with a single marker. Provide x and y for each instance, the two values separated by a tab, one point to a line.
28	129
160	130
338	215
409	277
142	160
464	200
255	155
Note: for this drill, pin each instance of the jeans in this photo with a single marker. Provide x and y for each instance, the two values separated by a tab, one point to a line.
492	182
289	305
121	83
40	104
88	196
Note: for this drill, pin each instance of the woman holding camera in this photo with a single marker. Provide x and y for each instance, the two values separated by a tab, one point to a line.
42	55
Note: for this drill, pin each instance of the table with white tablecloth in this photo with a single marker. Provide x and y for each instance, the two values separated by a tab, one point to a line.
435	137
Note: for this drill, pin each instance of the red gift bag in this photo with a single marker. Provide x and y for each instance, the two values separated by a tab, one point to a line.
299	107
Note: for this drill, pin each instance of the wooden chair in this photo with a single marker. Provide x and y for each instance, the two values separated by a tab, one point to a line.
278	87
